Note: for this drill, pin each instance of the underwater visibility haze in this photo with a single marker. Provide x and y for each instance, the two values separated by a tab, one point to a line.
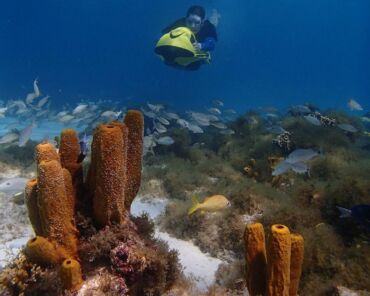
182	148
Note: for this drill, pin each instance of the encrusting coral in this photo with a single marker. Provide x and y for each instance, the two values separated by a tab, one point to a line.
281	275
108	235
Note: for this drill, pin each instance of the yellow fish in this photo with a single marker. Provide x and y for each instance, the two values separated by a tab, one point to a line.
212	203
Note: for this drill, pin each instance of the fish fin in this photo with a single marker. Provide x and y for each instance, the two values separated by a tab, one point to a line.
344	213
195	205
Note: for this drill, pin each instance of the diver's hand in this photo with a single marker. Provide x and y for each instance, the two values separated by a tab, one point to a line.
197	46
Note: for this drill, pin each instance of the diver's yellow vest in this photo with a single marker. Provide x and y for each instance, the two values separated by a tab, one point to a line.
177	47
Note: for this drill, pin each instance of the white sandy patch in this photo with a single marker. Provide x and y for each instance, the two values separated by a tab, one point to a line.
197	265
15	229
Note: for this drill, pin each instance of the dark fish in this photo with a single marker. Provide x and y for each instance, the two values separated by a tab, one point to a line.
360	213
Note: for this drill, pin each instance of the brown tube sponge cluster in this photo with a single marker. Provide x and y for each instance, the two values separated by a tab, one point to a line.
112	182
281	275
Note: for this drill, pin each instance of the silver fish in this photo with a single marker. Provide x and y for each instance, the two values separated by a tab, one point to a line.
163	120
66	118
149	114
25	134
9	137
299	167
171	115
195	128
312	119
348	127
214	110
43	101
230	111
354	106
36	93
155	108
227	132
301	155
62	113
79	109
165	141
183	123
276	129
281	168
219	125
300	109
218	103
159	127
111	114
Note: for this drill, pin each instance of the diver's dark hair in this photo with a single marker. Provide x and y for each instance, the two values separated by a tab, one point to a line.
197	10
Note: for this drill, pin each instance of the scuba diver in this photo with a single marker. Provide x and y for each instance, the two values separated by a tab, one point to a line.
187	42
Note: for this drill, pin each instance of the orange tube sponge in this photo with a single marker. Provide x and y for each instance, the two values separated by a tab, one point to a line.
46	151
70	192
255	254
108	199
71	275
279	261
32	207
56	218
69	149
296	260
134	121
41	251
90	183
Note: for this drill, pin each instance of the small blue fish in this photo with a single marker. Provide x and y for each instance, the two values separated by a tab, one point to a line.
83	148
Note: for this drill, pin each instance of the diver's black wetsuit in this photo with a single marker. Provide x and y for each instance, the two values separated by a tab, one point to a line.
207	30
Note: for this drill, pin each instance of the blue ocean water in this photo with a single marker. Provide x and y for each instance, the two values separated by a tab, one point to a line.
269	53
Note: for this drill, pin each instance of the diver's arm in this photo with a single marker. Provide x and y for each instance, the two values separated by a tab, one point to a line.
208	44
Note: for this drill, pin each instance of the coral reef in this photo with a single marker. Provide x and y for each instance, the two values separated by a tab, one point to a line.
71	242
